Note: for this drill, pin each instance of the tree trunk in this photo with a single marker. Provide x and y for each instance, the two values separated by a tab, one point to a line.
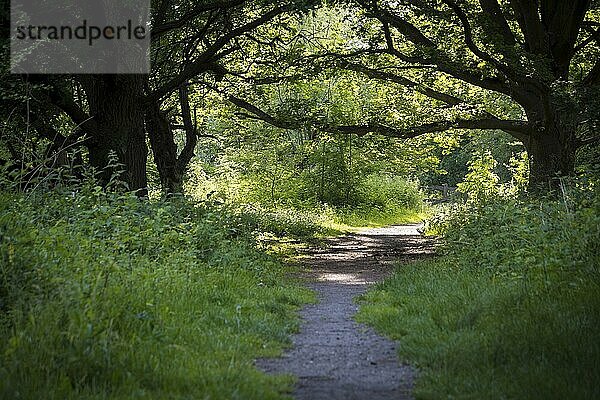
551	155
171	166
115	104
164	149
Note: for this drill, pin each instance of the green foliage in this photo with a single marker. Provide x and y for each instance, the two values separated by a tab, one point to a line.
481	183
383	200
291	177
519	168
106	296
374	199
281	221
512	308
381	192
451	154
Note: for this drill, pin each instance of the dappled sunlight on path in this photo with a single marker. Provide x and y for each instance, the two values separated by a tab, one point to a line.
347	279
333	356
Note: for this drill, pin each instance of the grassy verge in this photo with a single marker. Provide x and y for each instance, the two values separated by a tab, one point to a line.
511	310
104	296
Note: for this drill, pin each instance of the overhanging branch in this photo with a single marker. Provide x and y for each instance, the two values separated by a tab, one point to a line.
505	69
169	26
386	76
440	60
517	128
207	61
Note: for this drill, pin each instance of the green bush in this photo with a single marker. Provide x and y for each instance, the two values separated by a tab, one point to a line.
292	207
382	200
107	296
280	221
389	193
511	309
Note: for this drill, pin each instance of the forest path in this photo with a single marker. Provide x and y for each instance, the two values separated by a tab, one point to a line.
333	356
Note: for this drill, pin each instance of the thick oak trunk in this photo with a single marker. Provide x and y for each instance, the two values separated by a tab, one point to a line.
548	160
551	153
115	105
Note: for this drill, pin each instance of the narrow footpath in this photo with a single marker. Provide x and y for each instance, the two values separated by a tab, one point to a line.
333	356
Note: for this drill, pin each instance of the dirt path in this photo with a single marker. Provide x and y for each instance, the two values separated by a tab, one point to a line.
333	356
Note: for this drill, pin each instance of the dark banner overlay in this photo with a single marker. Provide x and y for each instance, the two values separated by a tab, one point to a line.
80	37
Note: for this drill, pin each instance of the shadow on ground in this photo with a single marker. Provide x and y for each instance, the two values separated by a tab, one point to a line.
333	356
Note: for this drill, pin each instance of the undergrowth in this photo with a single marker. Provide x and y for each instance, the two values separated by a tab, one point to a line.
106	296
376	201
510	310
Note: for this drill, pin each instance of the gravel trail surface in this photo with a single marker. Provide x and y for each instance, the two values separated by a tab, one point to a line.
333	356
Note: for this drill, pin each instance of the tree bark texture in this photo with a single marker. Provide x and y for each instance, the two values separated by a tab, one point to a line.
115	104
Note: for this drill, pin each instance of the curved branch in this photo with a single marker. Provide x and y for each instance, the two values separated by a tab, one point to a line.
382	75
517	128
167	27
407	29
514	127
471	45
65	102
443	64
257	113
497	18
207	61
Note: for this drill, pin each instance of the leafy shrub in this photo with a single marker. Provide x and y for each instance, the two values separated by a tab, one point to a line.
555	232
481	183
106	296
288	186
389	193
280	221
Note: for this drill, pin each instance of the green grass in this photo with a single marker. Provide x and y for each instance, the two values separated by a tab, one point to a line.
283	222
106	297
510	311
313	223
348	219
374	201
